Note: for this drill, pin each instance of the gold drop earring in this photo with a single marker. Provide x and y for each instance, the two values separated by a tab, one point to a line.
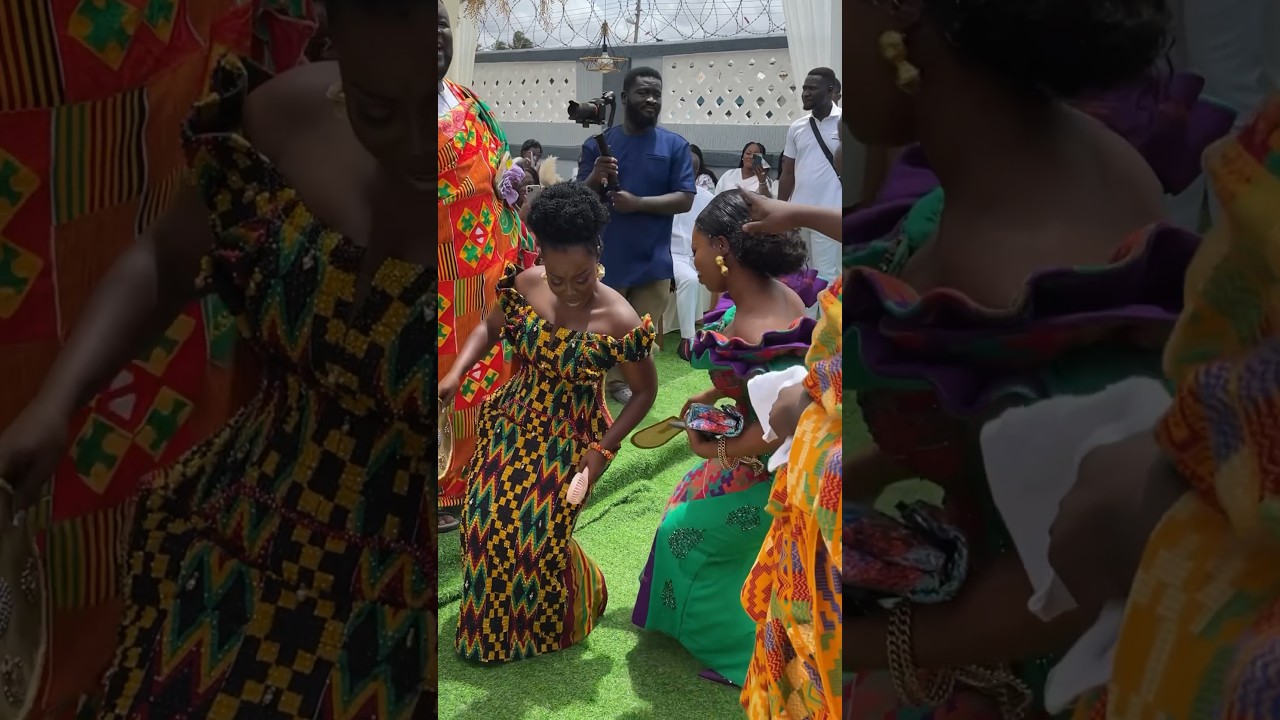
893	46
338	98
724	269
599	272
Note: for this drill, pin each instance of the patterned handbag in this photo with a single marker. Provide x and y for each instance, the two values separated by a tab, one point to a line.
714	421
916	556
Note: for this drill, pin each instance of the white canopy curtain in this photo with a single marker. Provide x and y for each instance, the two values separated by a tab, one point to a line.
465	34
813	40
813	35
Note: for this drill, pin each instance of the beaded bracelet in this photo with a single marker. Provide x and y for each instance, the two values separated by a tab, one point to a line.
609	455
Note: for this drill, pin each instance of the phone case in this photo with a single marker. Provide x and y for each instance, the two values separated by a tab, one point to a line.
715	421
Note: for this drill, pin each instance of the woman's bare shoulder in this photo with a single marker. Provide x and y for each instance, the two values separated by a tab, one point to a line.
283	108
1133	179
527	279
621	317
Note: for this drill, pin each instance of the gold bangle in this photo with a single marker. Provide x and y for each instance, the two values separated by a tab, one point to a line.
902	665
733	463
997	681
724	461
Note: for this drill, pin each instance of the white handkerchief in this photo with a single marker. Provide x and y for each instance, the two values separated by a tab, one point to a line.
1032	455
1087	665
763	391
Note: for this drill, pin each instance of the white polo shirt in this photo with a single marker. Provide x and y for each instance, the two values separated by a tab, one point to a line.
816	181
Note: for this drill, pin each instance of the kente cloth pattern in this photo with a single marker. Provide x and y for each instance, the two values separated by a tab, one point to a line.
528	247
92	98
286	567
1201	633
528	588
478	235
793	591
716	520
924	366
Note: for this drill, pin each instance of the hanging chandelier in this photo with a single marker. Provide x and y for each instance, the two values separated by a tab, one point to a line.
604	62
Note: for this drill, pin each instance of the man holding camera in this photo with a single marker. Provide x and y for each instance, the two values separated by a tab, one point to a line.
647	179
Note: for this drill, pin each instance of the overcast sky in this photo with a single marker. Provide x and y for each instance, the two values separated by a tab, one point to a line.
576	23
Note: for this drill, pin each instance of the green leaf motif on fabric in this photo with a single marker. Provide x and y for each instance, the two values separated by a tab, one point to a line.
745	518
219	331
507	221
669	596
683	541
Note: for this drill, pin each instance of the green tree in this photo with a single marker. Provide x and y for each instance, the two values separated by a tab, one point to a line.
499	45
520	41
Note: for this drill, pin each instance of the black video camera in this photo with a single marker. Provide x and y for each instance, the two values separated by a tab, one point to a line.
592	112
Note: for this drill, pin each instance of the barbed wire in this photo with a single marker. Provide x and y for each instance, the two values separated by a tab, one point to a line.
518	24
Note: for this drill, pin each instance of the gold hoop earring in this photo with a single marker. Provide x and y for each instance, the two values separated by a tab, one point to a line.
599	272
724	269
893	46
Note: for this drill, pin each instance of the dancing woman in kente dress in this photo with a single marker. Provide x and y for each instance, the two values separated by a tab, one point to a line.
715	520
286	567
528	588
91	108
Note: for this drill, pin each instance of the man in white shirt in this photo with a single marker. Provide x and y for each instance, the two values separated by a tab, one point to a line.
809	174
1225	42
690	297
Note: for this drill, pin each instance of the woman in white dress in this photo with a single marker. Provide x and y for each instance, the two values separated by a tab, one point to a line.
747	177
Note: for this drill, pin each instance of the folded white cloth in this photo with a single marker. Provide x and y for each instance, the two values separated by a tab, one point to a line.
1087	665
763	391
1032	456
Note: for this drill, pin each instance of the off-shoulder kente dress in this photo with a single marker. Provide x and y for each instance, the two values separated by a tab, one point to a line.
926	367
715	519
528	588
286	568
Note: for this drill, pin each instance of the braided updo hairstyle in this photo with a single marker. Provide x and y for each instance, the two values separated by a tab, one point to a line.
768	254
1061	48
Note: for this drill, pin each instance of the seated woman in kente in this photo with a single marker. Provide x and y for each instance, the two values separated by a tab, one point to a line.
1046	271
715	520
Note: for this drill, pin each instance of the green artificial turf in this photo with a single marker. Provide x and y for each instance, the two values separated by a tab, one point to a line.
619	671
